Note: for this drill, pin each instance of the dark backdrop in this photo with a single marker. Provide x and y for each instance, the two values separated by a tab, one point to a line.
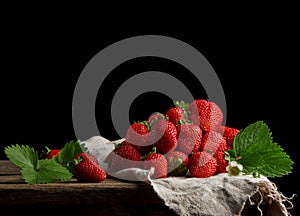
42	58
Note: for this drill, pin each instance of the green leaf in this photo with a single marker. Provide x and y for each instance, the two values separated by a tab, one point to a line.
253	147
36	171
68	152
251	160
257	132
270	160
47	171
22	156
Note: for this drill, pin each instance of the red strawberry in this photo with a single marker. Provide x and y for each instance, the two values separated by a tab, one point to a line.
177	113
125	156
229	134
222	163
189	137
206	114
213	141
87	168
51	153
178	163
137	135
163	135
159	162
202	165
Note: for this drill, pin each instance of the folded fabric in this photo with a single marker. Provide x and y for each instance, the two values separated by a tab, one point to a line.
220	194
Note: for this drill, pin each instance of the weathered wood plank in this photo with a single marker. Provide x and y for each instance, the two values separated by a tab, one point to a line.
108	193
11	179
8	168
94	209
13	191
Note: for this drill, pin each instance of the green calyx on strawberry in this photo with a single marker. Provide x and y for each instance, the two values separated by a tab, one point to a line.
178	163
158	162
137	135
137	132
87	168
155	117
221	161
124	156
50	153
177	113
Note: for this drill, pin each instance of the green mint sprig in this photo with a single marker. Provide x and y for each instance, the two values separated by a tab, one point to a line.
41	171
256	153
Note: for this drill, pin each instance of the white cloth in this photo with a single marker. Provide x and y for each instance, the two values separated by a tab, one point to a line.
217	195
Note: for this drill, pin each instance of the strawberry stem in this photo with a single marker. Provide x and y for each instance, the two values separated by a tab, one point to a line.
153	151
184	106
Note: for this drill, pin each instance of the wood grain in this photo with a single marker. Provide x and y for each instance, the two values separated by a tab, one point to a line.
110	197
8	168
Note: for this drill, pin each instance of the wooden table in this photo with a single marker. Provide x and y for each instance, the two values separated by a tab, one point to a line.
110	197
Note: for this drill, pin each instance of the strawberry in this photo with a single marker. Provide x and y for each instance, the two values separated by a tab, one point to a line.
229	134
137	135
177	113
178	163
202	165
51	153
163	136
222	163
206	114
189	137
213	141
125	156
159	162
87	168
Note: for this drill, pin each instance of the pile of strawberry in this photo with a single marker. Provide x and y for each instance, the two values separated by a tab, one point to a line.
187	139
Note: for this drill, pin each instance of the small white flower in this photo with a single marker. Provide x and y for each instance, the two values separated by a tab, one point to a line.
234	169
233	163
240	167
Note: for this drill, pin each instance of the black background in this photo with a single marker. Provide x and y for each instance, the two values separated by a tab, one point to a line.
254	56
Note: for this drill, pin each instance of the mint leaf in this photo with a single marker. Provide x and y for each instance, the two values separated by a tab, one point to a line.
257	132
22	156
254	149
68	152
47	171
